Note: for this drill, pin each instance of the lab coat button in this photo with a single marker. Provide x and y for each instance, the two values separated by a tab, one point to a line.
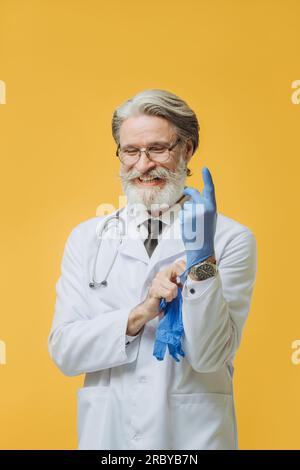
143	379
192	291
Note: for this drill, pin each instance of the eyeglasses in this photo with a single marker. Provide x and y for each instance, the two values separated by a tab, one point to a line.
158	152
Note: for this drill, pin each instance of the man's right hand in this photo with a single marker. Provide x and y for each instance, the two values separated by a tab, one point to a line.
163	286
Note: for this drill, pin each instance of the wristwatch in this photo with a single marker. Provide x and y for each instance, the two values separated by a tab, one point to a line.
204	270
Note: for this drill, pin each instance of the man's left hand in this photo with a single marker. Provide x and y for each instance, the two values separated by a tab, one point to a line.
198	219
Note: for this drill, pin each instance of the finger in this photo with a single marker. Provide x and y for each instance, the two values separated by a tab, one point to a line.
158	291
207	179
166	273
194	193
177	269
173	270
181	263
168	285
169	272
167	294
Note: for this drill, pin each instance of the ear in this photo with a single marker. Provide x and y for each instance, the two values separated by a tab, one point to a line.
189	150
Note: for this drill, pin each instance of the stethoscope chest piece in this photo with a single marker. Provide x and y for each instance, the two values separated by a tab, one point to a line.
94	285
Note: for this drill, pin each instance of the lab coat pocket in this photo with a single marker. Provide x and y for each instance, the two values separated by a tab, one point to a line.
202	421
91	409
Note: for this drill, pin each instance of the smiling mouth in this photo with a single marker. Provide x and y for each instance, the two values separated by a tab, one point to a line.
149	180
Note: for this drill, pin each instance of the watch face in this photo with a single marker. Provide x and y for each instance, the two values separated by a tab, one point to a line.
204	271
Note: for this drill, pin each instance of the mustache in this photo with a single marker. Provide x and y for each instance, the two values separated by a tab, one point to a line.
159	172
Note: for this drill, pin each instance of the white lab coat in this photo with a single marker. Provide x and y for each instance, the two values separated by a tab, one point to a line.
130	400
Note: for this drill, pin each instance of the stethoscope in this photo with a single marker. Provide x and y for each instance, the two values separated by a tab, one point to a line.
104	227
94	284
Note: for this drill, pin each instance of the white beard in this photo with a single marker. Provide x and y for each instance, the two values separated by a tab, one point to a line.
154	197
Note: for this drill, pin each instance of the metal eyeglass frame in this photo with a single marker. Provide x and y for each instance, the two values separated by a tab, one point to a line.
146	150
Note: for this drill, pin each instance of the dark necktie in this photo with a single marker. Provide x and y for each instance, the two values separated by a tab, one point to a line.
154	229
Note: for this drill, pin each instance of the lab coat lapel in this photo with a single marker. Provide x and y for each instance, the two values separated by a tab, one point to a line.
134	248
132	245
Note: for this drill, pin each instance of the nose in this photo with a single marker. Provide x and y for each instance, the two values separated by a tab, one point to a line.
144	164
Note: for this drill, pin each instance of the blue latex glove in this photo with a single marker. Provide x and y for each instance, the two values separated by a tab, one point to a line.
198	219
198	225
170	329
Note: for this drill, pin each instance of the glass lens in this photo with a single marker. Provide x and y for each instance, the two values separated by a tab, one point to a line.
129	156
159	153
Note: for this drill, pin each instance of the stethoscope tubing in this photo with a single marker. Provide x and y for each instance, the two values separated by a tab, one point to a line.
94	284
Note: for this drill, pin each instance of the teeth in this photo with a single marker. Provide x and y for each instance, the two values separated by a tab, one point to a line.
148	179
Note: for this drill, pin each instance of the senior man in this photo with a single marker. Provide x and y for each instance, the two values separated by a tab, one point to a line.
132	398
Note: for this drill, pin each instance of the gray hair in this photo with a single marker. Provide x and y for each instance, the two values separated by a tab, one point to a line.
161	103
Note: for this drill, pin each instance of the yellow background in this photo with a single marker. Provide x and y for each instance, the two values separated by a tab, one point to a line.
67	64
